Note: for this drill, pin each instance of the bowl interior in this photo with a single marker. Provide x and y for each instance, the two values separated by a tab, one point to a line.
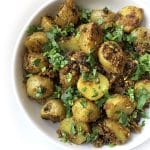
31	108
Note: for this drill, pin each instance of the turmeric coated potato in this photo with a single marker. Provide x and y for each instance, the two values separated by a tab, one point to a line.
81	129
143	84
53	110
47	23
67	14
142	39
69	75
111	57
121	133
118	103
130	17
34	62
35	41
104	17
39	87
93	90
91	37
85	111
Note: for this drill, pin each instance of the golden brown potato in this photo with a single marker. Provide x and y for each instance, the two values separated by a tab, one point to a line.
69	75
111	57
91	37
85	111
81	130
142	41
130	17
67	14
34	62
143	84
104	16
118	103
53	110
47	23
121	133
35	41
39	87
93	90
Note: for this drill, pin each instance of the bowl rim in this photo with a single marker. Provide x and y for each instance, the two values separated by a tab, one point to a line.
14	85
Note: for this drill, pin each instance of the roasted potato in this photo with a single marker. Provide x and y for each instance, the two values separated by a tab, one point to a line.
81	130
143	84
118	103
53	110
47	23
39	87
142	39
91	37
35	41
67	14
85	111
69	75
111	57
105	17
129	17
34	62
93	90
121	133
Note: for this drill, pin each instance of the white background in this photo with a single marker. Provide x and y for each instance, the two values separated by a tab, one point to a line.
15	130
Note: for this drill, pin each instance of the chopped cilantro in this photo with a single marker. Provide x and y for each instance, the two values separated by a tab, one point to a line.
33	29
83	103
84	89
123	118
100	21
85	15
36	62
64	137
69	77
130	93
40	91
57	92
95	93
72	129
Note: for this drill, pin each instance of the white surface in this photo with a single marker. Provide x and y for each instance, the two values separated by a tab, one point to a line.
15	130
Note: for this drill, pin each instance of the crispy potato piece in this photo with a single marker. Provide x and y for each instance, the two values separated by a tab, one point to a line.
35	41
67	14
104	16
53	110
82	127
111	57
87	112
34	62
118	103
47	23
69	75
129	17
143	84
122	133
142	41
39	87
91	37
93	90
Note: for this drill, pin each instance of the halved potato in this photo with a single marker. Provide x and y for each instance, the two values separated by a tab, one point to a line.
85	111
118	103
121	133
93	90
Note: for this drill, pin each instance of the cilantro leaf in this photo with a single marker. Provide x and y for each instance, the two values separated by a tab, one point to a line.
83	103
85	15
36	62
130	93
72	129
34	28
123	118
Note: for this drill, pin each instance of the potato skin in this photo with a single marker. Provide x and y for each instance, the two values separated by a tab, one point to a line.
35	82
53	110
122	133
117	103
92	90
91	37
65	126
142	41
35	41
90	113
47	23
129	17
107	17
143	84
73	70
30	66
67	14
111	57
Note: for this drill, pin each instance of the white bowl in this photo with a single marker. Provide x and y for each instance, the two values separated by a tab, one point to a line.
31	109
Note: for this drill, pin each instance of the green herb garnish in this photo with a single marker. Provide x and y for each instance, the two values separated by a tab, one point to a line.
40	91
85	15
72	129
123	118
33	29
36	62
69	77
83	103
